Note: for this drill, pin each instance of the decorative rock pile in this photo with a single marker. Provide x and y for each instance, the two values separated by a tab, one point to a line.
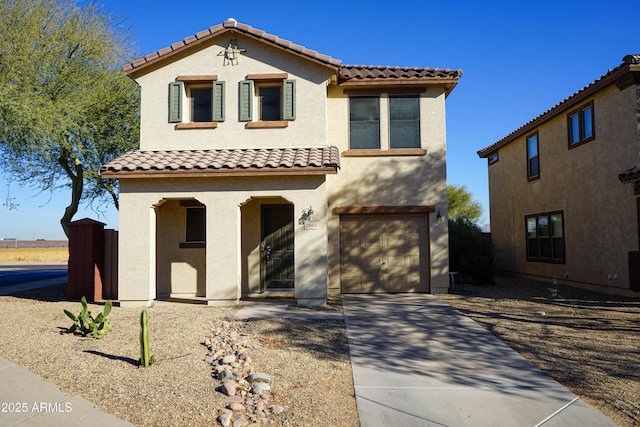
247	391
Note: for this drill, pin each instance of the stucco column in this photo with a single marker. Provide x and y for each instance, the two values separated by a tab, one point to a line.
222	250
136	249
311	246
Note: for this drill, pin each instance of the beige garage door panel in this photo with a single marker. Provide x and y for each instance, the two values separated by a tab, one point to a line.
384	254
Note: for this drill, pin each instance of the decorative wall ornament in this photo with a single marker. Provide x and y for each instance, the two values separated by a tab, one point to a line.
231	53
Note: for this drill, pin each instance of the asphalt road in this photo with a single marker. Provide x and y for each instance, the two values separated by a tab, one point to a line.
16	275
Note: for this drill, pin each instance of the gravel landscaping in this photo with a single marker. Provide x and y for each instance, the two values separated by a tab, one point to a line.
307	361
587	341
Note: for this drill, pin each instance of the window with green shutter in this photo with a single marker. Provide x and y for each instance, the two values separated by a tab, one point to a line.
218	97
289	100
275	100
175	102
246	100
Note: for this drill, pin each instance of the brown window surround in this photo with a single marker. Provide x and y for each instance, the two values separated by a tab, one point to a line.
378	210
579	113
197	125
385	153
268	124
493	158
198	79
266	78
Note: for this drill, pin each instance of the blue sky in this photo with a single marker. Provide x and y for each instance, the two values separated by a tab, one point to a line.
518	59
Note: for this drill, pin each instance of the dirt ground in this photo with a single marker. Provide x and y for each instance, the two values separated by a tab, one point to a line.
587	341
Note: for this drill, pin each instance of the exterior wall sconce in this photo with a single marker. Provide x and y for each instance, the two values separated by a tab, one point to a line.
438	218
307	216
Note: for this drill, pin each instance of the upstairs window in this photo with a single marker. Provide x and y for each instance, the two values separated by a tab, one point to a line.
384	122
274	96
364	122
545	237
206	101
580	124
493	158
404	122
533	159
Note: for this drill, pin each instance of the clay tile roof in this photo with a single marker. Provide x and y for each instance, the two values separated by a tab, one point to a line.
261	161
630	65
234	26
378	72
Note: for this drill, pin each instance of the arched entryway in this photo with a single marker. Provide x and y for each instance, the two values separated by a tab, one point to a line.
268	246
180	249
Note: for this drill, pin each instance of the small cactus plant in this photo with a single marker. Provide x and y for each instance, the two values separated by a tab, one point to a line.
145	358
86	325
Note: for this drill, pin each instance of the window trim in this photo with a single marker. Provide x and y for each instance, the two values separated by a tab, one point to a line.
493	158
249	92
180	89
187	243
579	112
391	121
379	121
538	258
531	177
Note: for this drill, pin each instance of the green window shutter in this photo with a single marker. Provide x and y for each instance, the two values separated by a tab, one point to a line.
175	102
246	100
217	102
289	100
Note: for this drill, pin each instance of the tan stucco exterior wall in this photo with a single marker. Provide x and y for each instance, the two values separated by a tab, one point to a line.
599	212
308	129
143	199
152	263
392	180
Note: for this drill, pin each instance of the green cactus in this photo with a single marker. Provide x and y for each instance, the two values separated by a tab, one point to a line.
145	358
86	325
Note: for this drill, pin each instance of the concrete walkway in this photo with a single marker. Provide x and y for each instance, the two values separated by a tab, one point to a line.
28	400
418	362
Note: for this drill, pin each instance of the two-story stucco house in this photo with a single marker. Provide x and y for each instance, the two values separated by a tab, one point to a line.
268	169
559	207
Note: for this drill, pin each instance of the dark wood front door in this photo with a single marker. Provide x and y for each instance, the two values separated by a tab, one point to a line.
276	248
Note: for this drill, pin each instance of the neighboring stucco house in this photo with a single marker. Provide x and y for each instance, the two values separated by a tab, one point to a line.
559	210
268	169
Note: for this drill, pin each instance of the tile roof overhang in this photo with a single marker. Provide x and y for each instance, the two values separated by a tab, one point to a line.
625	75
630	175
224	163
232	26
378	75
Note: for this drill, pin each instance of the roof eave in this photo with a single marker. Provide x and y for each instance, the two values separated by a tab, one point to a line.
622	76
199	173
143	65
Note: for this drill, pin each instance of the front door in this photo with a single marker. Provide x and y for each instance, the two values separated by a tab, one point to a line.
276	248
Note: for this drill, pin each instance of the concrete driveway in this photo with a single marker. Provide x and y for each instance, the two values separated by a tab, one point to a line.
418	362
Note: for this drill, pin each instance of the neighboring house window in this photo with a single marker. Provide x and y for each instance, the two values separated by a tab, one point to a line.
404	121
195	224
545	237
275	98
206	98
493	158
533	159
580	123
364	122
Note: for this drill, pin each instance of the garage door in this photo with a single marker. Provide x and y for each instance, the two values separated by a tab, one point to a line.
384	253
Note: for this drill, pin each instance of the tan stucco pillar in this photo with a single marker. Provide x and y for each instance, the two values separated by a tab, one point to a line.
311	248
136	247
223	273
